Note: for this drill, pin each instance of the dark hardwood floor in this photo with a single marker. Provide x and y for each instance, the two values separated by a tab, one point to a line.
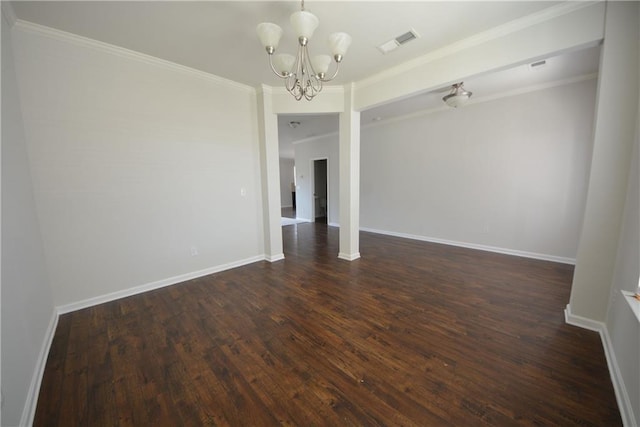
412	334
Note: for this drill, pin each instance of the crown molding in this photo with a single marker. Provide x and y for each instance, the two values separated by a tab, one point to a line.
82	41
263	88
8	13
281	90
477	39
335	89
315	138
413	115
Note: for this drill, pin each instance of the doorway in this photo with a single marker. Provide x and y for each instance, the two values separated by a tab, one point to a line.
320	202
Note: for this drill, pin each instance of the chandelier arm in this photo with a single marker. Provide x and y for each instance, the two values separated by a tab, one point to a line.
307	60
335	73
310	90
290	82
306	72
292	78
297	92
276	72
303	76
299	61
313	93
314	83
299	73
311	81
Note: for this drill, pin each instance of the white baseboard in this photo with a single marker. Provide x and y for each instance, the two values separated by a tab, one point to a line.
582	322
287	206
626	410
334	224
155	285
525	254
349	257
29	410
274	258
622	397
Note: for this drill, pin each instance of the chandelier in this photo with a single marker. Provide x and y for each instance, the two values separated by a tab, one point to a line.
303	75
458	96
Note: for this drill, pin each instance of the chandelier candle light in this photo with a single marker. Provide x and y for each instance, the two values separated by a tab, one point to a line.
303	75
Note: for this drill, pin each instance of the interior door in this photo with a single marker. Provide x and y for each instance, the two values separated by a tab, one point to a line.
320	198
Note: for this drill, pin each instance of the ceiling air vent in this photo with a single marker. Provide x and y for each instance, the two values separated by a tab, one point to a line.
393	44
537	65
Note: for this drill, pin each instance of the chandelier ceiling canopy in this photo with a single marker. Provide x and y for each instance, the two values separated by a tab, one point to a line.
303	74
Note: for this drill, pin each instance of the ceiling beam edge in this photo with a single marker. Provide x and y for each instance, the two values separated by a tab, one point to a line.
575	28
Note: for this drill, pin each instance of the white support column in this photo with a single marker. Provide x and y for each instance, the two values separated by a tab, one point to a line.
614	131
270	174
349	179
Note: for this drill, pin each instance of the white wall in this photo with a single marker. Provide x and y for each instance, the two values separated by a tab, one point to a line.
508	174
135	162
286	181
27	303
305	153
622	325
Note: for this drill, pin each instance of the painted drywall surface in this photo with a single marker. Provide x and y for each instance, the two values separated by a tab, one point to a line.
269	175
614	128
621	323
509	173
27	303
305	153
136	167
286	181
349	149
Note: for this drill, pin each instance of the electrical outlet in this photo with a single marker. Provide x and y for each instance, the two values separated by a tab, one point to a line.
194	251
243	191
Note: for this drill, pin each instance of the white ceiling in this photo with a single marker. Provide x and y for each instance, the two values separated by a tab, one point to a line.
219	37
311	126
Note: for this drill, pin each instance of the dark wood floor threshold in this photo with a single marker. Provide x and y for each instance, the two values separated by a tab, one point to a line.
288	212
412	334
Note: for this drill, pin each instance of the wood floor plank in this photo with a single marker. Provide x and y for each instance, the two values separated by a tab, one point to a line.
412	334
